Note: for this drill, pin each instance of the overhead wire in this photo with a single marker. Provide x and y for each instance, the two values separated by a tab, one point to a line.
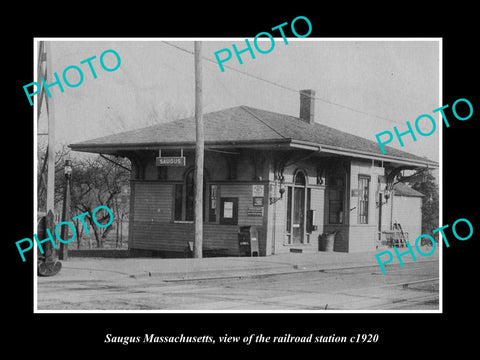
286	87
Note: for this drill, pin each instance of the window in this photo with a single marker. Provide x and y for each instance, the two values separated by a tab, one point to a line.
229	211
212	207
336	196
184	208
289	209
190	196
300	179
363	195
178	202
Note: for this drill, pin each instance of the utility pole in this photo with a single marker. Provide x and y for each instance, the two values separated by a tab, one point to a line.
51	138
49	266
41	73
199	153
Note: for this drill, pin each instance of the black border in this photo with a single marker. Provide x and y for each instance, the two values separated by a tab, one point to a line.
63	334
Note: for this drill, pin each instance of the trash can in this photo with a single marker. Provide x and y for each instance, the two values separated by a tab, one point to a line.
248	241
327	241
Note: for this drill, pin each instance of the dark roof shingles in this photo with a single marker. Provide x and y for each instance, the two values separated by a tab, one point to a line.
402	189
243	123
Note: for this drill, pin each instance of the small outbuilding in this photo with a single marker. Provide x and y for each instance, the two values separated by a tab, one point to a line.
291	178
407	210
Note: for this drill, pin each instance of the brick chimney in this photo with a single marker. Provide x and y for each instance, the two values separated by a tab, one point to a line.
307	106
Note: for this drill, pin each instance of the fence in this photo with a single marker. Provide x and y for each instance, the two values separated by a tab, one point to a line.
117	237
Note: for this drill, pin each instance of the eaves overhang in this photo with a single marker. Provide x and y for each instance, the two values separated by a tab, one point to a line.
270	144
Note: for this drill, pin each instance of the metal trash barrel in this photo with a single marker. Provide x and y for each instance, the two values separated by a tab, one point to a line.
327	241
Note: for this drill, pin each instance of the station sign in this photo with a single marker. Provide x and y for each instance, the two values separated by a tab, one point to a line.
171	161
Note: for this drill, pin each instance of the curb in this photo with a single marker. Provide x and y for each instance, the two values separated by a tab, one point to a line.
293	269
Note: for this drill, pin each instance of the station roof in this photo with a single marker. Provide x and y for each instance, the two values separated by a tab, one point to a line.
402	189
244	126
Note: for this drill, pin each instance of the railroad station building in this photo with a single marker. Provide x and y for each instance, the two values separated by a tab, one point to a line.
290	177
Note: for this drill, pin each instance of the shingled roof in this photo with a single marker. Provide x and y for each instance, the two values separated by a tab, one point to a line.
402	189
246	125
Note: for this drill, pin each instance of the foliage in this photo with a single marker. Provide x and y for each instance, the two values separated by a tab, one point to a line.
425	183
95	181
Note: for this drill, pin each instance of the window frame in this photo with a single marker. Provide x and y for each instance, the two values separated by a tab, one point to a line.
289	211
182	208
363	199
233	220
341	193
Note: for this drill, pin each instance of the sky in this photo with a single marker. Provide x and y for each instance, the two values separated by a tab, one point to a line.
363	87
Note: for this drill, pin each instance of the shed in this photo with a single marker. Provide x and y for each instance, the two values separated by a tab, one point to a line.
407	210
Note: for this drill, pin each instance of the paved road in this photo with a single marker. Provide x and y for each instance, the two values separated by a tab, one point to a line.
413	287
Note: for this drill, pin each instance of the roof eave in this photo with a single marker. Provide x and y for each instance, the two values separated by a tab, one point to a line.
367	155
266	144
102	148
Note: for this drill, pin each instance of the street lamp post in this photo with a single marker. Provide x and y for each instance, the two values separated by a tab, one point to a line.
63	253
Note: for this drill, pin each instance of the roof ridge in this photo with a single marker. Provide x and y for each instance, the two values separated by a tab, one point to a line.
248	110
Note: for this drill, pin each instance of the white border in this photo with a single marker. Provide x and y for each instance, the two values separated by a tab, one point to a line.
35	287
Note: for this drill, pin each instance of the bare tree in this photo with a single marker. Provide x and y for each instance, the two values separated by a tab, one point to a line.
61	155
95	181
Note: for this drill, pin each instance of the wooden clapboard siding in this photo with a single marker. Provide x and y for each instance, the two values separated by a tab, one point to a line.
244	194
243	191
278	221
153	228
161	236
362	238
317	203
222	237
153	202
407	211
174	236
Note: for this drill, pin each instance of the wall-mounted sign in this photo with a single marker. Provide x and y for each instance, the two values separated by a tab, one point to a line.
255	211
213	196
257	190
355	192
171	161
258	201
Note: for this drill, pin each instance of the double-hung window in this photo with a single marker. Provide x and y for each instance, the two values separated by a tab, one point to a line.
184	209
363	196
336	196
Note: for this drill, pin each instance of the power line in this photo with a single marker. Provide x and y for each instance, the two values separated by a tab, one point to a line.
286	87
231	68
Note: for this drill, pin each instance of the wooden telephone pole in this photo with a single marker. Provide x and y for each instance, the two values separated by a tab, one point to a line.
48	265
51	138
199	153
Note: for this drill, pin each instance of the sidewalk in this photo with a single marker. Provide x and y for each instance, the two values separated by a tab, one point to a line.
217	267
